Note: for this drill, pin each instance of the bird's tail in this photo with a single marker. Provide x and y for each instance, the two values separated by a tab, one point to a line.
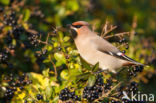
137	63
129	63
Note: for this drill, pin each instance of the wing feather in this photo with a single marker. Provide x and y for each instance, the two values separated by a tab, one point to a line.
106	47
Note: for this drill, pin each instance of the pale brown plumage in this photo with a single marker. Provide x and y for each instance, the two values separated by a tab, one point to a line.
93	49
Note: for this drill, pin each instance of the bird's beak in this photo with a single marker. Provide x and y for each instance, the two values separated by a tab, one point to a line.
73	30
71	27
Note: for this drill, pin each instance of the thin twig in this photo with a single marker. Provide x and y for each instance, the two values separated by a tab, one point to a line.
116	99
47	38
122	45
118	34
113	89
42	42
55	69
104	29
106	32
32	31
134	26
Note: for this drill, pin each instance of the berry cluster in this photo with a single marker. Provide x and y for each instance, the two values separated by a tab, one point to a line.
4	56
92	93
107	85
14	34
33	38
65	95
17	31
14	83
123	40
10	19
40	57
132	87
134	71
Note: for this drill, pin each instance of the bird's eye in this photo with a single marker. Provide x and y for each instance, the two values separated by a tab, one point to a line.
77	26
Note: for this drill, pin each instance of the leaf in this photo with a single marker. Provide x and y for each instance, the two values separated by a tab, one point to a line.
48	91
95	67
72	5
27	14
46	72
49	47
66	38
60	59
64	74
83	76
91	80
5	2
45	82
85	64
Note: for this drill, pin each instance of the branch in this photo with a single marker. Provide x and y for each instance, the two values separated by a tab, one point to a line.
122	45
107	31
118	34
55	69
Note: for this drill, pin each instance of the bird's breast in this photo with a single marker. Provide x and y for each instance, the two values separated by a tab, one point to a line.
88	51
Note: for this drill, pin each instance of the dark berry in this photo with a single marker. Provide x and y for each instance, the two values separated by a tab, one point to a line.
39	96
124	51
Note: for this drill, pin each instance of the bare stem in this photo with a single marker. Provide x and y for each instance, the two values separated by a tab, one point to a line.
55	69
122	45
47	38
108	31
134	26
118	34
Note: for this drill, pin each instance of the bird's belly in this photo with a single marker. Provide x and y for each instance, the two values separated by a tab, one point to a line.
105	61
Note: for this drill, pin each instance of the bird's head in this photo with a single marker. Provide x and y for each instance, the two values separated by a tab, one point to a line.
79	28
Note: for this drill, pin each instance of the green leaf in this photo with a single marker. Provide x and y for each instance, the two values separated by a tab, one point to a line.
83	76
5	2
64	74
49	47
72	5
85	64
60	59
48	91
46	72
95	67
91	80
27	14
66	38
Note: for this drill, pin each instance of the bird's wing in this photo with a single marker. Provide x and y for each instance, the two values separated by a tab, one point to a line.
106	47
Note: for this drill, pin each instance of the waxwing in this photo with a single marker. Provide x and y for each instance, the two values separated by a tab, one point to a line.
93	48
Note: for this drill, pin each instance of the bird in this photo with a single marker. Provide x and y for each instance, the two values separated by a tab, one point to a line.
95	49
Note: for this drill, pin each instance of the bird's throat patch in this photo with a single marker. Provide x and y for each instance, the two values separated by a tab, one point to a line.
74	33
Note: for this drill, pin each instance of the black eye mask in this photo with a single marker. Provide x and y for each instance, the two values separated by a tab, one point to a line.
77	26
